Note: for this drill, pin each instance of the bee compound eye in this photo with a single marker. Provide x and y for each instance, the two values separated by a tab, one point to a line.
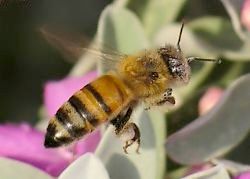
174	62
154	75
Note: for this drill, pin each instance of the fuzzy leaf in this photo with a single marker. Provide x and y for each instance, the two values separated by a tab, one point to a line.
120	29
221	37
233	8
113	38
87	166
200	38
190	43
157	13
14	169
144	165
217	132
160	125
240	152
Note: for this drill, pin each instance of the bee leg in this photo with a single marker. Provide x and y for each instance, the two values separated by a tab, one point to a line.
131	134
165	100
168	92
147	108
121	120
127	144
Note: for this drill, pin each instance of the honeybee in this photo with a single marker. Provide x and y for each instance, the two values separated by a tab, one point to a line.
147	76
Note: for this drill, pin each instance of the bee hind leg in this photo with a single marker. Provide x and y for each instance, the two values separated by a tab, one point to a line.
121	120
129	132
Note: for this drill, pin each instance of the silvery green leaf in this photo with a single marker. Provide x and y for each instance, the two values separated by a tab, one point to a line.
155	14
216	172
233	9
85	63
240	152
113	30
120	29
217	132
221	37
190	43
10	169
144	165
159	123
202	39
88	166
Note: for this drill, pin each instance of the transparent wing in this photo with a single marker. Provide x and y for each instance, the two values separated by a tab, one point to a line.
74	46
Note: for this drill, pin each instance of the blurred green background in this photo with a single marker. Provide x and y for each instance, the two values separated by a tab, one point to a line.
27	60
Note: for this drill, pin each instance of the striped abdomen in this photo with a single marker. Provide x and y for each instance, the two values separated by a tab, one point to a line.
96	103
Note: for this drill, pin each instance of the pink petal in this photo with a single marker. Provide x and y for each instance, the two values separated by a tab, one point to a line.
57	92
197	168
88	144
23	143
245	175
245	14
209	99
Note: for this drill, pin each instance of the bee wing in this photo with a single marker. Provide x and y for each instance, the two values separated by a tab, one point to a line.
74	46
104	54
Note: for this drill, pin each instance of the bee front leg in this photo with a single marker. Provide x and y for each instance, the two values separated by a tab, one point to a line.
165	99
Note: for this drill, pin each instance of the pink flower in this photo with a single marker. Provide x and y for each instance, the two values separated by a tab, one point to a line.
24	143
209	99
57	92
245	14
245	175
197	168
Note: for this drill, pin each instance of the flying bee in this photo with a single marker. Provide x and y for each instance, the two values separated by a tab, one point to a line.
147	76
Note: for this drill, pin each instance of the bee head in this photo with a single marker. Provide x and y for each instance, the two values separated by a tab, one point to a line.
176	63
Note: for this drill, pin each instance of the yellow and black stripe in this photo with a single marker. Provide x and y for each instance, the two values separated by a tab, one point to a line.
96	103
83	111
98	98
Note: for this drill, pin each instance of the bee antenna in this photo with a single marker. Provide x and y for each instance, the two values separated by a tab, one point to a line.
179	39
190	59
